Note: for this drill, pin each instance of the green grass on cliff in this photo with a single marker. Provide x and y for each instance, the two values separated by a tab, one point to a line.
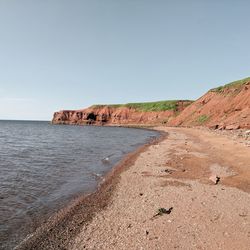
146	106
154	106
234	84
202	118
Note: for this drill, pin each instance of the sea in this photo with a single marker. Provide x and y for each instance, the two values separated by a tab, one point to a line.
43	167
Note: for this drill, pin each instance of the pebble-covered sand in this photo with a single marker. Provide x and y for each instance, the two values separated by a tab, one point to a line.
178	173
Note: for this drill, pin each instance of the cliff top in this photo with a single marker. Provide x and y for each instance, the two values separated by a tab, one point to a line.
149	106
235	84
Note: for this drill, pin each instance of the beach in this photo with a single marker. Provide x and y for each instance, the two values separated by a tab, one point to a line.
188	189
124	125
177	174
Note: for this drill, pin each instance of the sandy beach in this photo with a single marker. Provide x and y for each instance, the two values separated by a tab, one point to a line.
187	190
177	174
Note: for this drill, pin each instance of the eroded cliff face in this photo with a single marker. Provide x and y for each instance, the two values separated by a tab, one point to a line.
221	108
107	115
226	107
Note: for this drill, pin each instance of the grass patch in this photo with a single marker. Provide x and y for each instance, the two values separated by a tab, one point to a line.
147	106
234	84
154	106
202	118
96	106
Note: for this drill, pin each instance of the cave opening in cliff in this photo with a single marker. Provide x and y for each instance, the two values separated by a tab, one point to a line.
91	116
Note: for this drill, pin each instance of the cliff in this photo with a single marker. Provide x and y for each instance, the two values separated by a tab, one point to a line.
150	113
225	107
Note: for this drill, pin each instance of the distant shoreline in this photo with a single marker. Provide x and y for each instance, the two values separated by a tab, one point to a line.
13	120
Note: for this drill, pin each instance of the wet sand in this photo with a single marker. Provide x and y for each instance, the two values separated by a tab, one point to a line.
175	173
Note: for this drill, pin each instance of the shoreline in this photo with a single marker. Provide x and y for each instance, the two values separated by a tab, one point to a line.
59	230
173	170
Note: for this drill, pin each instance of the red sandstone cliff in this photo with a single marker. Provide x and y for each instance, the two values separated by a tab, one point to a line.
123	115
226	107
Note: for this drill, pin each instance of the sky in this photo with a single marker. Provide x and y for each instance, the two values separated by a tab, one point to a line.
70	54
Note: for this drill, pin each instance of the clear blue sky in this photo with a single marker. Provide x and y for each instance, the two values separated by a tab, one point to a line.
58	54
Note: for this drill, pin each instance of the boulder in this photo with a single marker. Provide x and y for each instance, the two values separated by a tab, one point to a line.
214	126
247	133
232	127
214	178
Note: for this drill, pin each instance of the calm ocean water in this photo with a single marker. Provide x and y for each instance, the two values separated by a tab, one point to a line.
43	167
